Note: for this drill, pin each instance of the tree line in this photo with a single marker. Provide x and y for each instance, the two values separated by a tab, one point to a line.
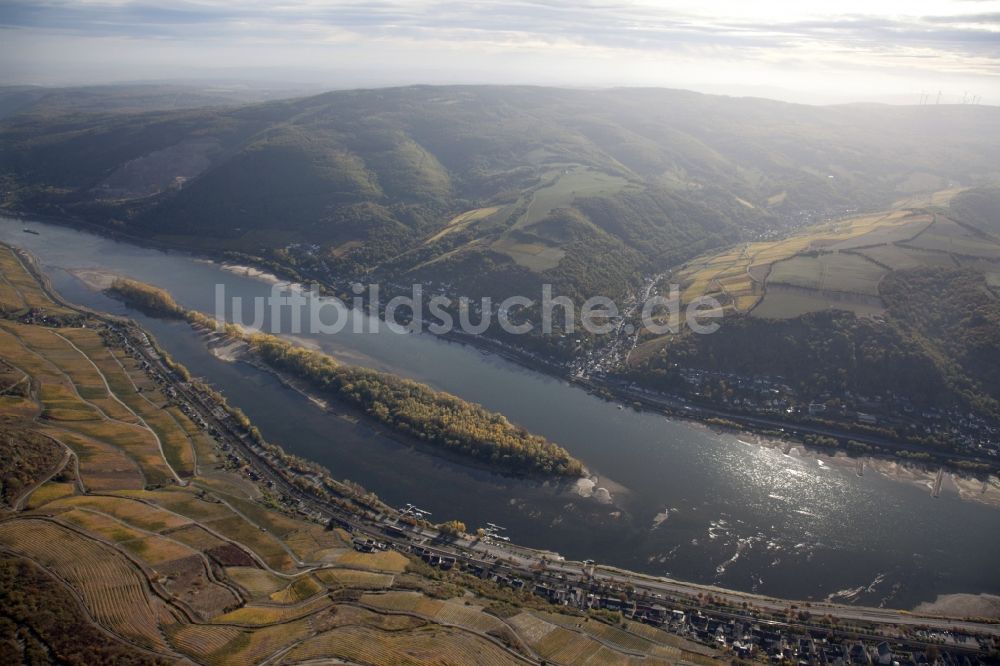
415	409
407	406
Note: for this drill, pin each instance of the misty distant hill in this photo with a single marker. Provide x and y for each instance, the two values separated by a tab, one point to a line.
502	186
133	98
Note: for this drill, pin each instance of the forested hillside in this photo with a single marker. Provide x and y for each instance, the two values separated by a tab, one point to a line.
980	208
500	187
818	353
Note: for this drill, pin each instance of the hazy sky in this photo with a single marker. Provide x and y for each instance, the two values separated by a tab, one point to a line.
821	50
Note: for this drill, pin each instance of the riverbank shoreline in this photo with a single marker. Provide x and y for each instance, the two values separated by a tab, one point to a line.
791	437
494	444
716	419
658	578
239	352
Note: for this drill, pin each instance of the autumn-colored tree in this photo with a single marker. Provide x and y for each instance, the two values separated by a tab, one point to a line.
452	528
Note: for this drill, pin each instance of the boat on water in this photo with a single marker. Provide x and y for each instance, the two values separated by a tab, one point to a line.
30	231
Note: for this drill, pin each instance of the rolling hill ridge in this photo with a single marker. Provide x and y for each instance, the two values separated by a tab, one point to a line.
503	187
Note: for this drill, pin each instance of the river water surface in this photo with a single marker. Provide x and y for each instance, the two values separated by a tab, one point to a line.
685	501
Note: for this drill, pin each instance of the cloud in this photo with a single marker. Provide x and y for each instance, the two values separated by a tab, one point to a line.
927	35
607	23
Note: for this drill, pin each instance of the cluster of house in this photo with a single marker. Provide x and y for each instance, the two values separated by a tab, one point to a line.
36	317
369	545
760	395
302	249
969	432
129	344
965	431
780	226
445	562
130	341
750	638
758	641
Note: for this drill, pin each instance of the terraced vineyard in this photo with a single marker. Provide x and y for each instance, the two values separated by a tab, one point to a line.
19	289
168	549
425	645
114	591
261	615
364	580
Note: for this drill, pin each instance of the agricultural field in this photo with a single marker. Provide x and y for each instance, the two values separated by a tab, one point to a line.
141	515
948	236
899	257
388	562
257	645
221	645
220	519
452	612
530	627
191	581
566	185
362	580
834	271
260	615
535	256
266	546
259	583
76	397
350	615
308	542
784	302
112	588
101	525
426	645
563	186
410	602
49	492
302	588
925	200
201	642
197	537
835	265
468	616
464	221
102	466
810	282
560	645
890	229
630	637
738	277
17	408
613	636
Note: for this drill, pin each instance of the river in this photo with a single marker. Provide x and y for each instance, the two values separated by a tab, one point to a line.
685	501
